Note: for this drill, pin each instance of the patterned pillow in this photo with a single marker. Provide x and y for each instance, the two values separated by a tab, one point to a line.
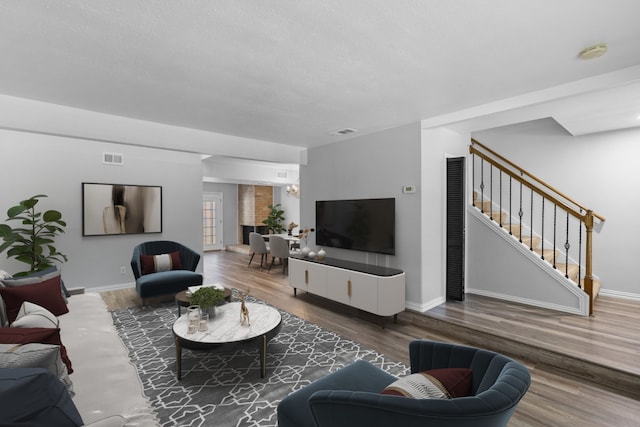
162	262
35	355
32	315
443	383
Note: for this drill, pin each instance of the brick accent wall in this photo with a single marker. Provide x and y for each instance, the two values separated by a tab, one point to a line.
253	202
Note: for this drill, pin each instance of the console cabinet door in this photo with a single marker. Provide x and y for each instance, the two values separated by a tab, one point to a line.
364	291
308	276
338	285
358	290
296	273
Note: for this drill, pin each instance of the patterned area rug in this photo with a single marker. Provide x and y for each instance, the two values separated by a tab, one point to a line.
225	389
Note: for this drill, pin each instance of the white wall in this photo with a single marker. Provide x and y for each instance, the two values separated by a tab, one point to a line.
290	206
601	172
370	166
37	163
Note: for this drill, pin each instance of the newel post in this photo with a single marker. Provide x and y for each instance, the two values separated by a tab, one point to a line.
588	276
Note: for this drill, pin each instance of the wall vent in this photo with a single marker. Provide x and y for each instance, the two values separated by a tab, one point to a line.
282	174
344	131
113	159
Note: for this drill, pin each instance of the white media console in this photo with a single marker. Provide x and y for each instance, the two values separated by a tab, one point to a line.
378	290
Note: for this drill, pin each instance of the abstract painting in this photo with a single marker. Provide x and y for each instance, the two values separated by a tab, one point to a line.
121	209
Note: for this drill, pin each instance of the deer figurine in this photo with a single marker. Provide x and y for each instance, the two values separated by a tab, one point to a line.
244	311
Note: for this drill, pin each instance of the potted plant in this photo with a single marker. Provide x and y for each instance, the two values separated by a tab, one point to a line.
274	219
290	228
32	242
207	298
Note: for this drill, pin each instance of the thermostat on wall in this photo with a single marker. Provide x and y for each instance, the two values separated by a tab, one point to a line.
409	189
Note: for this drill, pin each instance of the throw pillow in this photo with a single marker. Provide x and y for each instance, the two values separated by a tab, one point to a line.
36	335
3	314
46	294
32	315
444	383
162	262
37	277
35	355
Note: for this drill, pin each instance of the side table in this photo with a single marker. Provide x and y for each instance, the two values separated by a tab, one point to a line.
183	299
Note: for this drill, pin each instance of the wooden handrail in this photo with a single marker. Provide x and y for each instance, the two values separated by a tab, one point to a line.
535	178
574	212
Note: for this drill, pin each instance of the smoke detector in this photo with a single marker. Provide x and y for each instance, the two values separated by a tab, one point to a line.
341	132
595	51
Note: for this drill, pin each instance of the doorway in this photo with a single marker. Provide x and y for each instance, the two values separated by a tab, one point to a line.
455	228
212	221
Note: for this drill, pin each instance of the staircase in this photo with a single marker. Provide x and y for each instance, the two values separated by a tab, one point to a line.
547	222
533	242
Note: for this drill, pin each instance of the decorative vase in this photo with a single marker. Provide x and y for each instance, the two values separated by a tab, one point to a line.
321	254
211	311
193	318
305	251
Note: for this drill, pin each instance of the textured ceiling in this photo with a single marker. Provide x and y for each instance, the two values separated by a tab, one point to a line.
290	71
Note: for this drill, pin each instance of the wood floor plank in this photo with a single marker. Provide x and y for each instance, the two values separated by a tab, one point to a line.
556	398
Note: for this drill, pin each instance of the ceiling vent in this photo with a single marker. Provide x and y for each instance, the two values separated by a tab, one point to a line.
344	131
113	159
282	174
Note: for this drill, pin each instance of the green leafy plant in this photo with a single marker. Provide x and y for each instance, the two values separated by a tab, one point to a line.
32	243
275	219
207	297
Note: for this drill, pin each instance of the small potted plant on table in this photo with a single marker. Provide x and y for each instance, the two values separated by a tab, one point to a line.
208	298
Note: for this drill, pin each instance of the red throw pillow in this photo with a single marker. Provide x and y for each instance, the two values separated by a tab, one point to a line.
457	381
36	335
46	294
445	383
161	262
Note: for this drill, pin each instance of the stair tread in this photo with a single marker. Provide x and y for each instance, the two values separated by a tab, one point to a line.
572	270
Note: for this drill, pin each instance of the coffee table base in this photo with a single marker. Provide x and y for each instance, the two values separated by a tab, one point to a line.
263	340
226	332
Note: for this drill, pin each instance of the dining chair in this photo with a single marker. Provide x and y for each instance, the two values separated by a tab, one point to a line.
257	246
279	249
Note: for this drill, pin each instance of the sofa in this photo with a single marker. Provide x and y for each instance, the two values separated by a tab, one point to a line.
450	386
103	385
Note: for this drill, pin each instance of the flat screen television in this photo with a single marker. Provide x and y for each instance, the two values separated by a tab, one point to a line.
366	225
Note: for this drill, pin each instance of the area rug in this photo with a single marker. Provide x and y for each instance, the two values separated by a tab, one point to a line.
225	388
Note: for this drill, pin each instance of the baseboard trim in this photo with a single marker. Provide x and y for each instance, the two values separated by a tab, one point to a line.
426	306
114	287
619	294
535	303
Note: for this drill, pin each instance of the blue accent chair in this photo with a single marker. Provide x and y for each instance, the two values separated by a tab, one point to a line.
351	396
165	282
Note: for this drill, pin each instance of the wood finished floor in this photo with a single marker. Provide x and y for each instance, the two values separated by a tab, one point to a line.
557	396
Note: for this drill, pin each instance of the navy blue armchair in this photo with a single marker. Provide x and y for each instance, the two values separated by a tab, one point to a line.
177	279
351	396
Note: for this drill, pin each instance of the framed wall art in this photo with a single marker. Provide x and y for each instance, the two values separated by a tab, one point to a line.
121	209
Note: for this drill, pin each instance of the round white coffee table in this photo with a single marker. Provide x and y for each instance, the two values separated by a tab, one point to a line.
225	330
